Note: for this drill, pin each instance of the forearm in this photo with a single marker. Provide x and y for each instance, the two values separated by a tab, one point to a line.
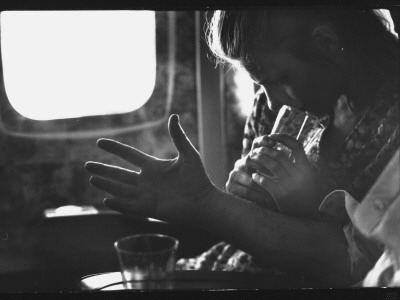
297	245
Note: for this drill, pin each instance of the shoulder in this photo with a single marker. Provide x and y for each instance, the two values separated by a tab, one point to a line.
386	108
261	112
259	122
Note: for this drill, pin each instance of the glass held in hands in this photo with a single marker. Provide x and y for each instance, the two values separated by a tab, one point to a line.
296	124
299	125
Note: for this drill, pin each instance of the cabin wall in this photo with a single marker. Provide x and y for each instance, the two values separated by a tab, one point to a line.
40	173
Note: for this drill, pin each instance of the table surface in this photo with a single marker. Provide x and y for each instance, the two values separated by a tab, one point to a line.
203	280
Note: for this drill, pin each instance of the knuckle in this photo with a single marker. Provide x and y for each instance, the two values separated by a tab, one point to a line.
264	150
236	177
233	189
239	163
228	187
231	186
232	176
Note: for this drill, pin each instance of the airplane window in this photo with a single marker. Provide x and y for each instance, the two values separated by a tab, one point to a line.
86	73
68	64
42	159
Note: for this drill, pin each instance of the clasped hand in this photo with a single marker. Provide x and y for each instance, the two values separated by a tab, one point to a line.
274	180
166	189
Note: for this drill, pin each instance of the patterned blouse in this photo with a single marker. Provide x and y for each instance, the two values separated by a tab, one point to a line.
363	155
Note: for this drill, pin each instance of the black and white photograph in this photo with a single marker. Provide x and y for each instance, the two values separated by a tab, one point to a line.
151	148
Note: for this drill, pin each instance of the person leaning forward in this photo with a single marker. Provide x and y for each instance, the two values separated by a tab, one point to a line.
332	63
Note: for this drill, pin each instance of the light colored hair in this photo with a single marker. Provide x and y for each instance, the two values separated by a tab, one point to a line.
364	35
232	34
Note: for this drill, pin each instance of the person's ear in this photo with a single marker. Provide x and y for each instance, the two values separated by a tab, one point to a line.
326	39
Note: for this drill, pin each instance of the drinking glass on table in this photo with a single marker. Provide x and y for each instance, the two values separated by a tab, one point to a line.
147	260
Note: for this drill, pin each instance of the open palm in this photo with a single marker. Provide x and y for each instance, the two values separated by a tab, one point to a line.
166	189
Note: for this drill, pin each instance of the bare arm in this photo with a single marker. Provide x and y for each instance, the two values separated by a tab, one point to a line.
179	190
297	245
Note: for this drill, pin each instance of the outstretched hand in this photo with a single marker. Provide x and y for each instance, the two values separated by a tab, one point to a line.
166	189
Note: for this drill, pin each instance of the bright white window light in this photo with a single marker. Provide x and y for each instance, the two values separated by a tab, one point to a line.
69	64
244	91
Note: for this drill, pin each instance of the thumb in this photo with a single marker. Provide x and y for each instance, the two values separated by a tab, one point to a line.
178	136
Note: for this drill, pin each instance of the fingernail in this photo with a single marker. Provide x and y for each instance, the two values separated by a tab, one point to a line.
101	142
254	176
176	116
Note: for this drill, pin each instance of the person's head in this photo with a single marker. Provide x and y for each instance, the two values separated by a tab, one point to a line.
306	57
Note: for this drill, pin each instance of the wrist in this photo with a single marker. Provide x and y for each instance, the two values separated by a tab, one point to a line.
205	202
